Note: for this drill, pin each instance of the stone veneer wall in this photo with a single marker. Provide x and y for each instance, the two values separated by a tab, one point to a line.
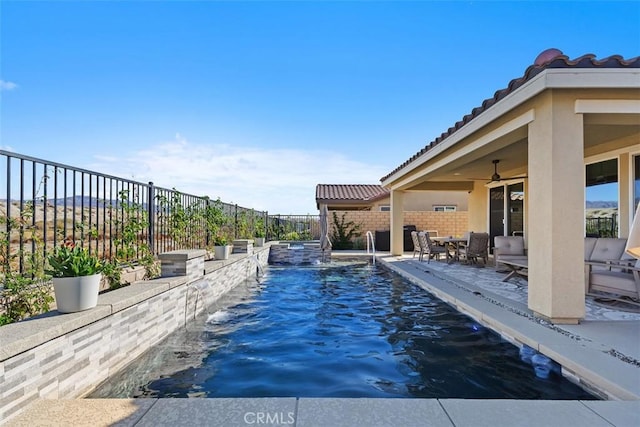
60	356
288	253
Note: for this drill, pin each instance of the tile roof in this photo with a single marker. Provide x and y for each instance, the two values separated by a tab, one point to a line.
550	58
350	192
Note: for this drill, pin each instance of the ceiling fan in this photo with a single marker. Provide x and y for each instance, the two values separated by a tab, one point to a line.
496	176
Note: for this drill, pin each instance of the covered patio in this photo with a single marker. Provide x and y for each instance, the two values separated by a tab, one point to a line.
521	157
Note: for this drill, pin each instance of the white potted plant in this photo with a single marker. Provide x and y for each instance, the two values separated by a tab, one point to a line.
260	233
221	246
76	276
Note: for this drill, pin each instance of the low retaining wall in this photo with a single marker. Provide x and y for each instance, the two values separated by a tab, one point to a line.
298	253
61	356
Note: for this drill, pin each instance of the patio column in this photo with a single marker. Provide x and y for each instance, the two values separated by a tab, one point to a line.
556	211
625	207
397	222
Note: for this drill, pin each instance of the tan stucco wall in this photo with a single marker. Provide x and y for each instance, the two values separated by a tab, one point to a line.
426	200
478	204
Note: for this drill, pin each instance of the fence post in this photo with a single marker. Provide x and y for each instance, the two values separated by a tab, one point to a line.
235	222
152	217
8	223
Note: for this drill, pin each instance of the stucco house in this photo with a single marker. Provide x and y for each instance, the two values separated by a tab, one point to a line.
524	158
373	197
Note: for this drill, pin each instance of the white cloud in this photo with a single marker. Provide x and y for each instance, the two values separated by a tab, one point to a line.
5	85
279	180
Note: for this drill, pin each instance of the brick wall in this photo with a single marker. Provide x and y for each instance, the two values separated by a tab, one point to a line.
446	223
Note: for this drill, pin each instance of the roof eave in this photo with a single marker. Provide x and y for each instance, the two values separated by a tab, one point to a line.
551	78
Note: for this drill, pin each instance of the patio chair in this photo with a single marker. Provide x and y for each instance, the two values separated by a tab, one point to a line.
506	248
466	237
477	247
615	281
429	247
416	244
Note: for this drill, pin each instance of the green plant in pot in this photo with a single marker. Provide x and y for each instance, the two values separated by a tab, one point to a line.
260	232
76	276
221	245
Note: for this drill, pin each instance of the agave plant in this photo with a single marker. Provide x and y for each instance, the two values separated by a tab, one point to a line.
69	260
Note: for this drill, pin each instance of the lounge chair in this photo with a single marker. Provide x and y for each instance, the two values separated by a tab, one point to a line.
609	271
506	248
477	247
612	280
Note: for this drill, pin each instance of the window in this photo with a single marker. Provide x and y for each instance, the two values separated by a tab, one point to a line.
601	199
385	208
444	208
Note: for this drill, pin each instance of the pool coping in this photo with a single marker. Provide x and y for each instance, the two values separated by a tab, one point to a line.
21	336
322	412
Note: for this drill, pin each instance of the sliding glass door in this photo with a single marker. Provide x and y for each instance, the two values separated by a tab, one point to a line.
506	210
496	213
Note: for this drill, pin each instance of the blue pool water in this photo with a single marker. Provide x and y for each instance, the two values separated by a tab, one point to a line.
342	330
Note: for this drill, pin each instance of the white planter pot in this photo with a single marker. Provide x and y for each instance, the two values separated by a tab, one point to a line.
222	252
76	293
259	242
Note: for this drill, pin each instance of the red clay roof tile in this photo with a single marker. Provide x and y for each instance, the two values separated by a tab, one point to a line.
350	192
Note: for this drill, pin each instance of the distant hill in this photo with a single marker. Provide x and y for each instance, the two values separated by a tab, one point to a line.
600	204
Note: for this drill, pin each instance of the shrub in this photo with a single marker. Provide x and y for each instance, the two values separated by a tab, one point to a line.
344	232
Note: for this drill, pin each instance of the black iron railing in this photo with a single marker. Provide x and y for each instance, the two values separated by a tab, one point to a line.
294	227
602	227
46	203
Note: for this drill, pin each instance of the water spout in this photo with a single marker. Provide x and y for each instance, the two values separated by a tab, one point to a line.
259	269
371	245
199	288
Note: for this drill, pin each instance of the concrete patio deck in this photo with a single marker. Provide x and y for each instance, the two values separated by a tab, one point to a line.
308	412
603	352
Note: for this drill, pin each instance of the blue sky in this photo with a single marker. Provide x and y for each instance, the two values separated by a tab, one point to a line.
257	102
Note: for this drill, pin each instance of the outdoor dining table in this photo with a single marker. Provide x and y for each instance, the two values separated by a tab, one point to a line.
454	243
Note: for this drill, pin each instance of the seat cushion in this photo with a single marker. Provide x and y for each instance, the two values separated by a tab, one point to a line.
509	245
589	243
608	248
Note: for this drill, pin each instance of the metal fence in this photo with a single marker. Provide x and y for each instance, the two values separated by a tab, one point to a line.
602	227
46	203
294	227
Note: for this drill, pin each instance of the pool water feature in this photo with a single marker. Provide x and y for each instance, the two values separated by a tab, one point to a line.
345	329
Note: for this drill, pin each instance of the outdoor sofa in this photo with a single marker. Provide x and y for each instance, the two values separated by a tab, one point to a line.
609	271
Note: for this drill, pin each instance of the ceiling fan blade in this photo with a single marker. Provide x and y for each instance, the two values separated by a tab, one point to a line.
496	176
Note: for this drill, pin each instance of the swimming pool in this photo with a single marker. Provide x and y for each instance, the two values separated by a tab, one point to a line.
346	329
